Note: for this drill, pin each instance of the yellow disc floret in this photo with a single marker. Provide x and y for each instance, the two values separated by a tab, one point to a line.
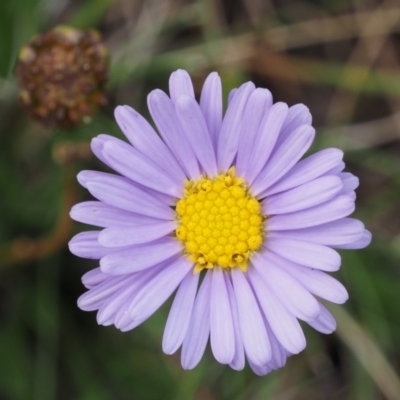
219	222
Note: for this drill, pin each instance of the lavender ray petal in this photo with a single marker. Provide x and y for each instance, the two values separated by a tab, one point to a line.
86	245
298	300
361	243
297	115
279	355
266	139
258	104
195	127
100	214
324	323
180	84
140	257
122	318
134	165
221	326
228	139
107	311
163	112
97	143
137	234
144	138
94	298
317	282
305	253
196	338
179	316
306	170
252	328
332	210
117	192
231	95
238	361
153	295
86	176
260	370
211	106
284	158
302	197
283	323
341	231
336	170
93	278
350	182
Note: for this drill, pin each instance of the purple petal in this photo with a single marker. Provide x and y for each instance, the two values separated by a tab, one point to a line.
282	322
194	125
305	253
350	182
137	234
325	322
139	257
336	169
352	194
231	95
180	84
122	318
221	326
238	361
199	328
317	282
118	192
211	106
180	314
260	370
361	243
86	176
144	138
97	144
305	196
95	297
163	112
109	309
266	139
332	210
93	278
341	231
284	158
257	106
228	140
306	170
100	214
254	334
86	245
290	292
279	356
297	115
131	163
153	295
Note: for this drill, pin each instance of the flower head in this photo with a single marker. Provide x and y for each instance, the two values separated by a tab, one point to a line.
226	198
62	74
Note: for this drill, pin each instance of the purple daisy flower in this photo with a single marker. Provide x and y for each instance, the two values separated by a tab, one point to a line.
229	202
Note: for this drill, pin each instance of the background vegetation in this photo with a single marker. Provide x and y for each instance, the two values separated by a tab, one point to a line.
341	58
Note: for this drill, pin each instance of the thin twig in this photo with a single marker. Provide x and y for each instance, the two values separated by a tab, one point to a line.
27	249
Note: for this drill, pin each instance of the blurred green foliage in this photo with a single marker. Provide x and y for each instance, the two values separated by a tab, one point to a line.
349	77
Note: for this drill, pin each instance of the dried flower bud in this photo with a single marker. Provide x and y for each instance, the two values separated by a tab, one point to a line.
62	74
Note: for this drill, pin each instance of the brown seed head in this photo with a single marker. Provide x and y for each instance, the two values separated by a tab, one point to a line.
62	75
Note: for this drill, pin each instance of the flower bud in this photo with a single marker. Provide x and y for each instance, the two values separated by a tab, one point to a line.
62	74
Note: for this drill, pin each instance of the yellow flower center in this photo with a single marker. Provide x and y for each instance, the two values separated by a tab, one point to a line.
220	223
